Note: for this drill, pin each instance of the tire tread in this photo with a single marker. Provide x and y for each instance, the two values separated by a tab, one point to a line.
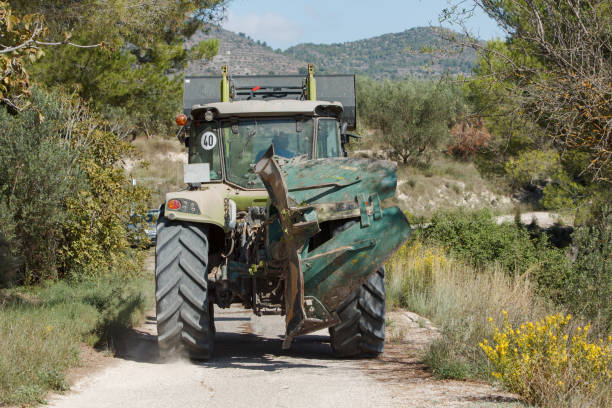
181	260
361	332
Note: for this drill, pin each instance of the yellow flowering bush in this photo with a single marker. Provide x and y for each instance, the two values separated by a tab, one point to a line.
413	269
544	361
426	259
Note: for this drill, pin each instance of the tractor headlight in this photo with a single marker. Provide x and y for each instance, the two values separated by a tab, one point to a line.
209	115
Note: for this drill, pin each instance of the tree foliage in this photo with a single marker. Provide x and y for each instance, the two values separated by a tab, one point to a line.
109	69
37	176
414	117
590	289
555	68
64	198
17	49
132	80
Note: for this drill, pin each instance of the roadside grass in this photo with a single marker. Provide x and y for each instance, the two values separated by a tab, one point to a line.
463	301
41	329
459	300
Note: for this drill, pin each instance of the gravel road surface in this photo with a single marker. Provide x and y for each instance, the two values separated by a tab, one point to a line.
250	369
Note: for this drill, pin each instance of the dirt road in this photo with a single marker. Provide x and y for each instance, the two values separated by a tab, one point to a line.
251	370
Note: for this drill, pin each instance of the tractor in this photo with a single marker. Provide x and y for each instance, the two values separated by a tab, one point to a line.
275	216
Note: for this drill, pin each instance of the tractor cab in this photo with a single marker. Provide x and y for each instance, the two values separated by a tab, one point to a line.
228	136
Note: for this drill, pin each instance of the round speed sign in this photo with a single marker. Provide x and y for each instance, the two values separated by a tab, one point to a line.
208	140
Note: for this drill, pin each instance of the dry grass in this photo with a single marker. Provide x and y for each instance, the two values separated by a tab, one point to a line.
448	184
153	146
459	300
161	176
162	167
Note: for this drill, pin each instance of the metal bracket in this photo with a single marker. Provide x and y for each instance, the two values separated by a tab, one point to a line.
375	200
365	220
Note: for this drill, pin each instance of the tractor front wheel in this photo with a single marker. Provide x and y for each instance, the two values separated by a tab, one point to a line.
184	311
361	331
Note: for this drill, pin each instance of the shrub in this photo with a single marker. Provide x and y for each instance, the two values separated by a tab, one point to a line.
478	239
457	298
475	236
471	136
37	175
64	198
550	365
533	167
8	263
590	287
96	238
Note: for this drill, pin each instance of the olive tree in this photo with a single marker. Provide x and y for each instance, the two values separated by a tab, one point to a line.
414	117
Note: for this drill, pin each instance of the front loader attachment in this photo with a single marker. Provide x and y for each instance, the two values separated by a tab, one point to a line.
308	193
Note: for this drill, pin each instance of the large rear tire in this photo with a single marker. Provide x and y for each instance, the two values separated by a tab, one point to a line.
361	332
185	321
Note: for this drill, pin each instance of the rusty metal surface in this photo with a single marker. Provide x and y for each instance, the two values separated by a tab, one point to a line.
339	179
334	270
296	230
336	188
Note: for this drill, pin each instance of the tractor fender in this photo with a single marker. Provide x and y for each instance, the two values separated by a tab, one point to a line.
200	206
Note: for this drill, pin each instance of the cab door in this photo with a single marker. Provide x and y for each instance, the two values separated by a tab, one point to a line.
328	139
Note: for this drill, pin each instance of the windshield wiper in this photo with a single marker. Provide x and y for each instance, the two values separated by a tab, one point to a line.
251	131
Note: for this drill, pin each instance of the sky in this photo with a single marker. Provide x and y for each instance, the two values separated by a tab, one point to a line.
283	23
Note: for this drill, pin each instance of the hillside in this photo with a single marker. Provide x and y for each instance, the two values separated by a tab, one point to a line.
393	55
243	55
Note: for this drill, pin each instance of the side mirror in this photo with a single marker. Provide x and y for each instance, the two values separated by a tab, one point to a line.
344	127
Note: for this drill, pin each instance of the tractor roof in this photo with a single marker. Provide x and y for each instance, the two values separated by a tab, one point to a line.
264	94
272	107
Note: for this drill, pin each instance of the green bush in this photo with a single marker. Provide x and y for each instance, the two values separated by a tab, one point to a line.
37	176
65	199
590	288
477	238
8	262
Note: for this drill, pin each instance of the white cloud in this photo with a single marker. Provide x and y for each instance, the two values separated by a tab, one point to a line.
275	29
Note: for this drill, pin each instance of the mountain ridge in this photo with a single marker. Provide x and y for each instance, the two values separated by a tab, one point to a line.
387	56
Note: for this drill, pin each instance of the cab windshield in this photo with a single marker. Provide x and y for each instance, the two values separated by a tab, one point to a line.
246	141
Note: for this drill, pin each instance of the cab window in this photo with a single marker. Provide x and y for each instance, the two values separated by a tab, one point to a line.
328	142
246	141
